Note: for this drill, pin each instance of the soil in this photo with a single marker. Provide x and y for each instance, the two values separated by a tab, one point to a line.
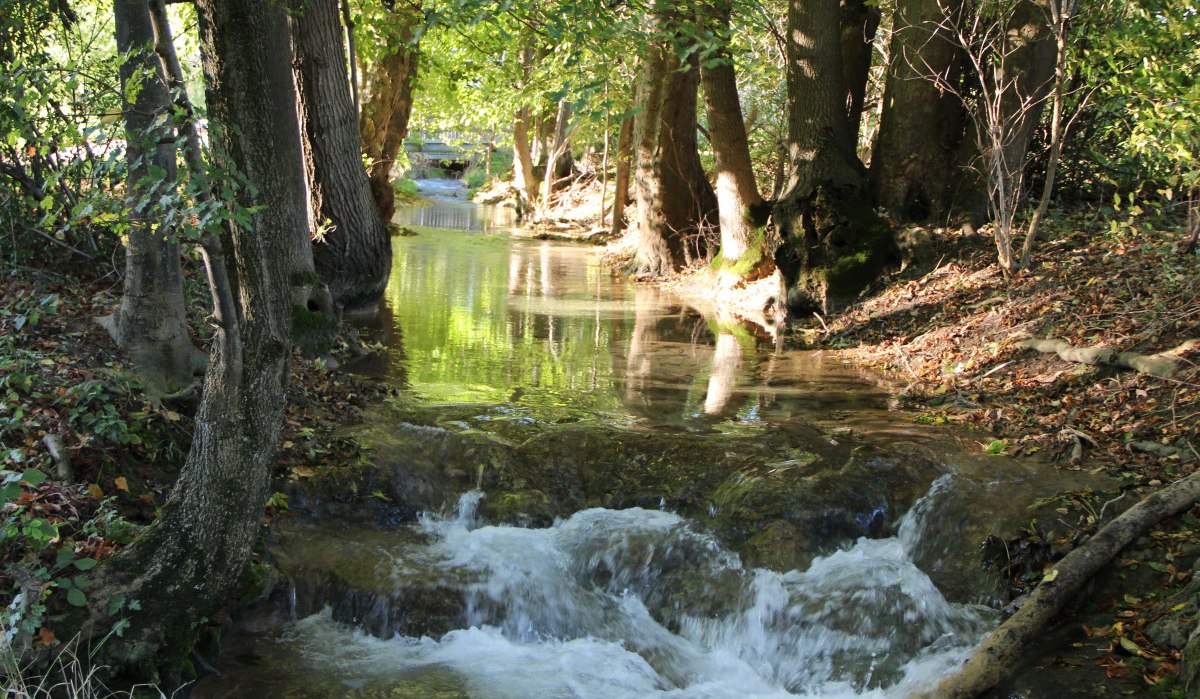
951	329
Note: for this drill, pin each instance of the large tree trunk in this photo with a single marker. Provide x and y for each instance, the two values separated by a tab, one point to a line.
914	166
675	200
833	242
183	567
385	111
859	22
743	214
353	255
621	184
150	324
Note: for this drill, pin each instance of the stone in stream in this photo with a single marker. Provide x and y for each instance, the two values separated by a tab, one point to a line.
778	498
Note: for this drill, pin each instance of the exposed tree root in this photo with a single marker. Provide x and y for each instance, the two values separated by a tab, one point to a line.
1162	364
996	655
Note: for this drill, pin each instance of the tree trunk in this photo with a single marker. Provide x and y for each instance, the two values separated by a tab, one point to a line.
621	184
859	24
183	567
742	212
524	173
833	242
1013	60
914	166
387	106
353	255
675	200
558	146
151	324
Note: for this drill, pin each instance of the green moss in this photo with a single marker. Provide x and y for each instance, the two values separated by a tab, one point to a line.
313	331
305	279
874	245
756	253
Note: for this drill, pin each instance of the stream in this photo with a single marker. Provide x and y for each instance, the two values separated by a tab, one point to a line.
610	496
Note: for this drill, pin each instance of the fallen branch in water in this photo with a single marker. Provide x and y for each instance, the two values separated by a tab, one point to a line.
1162	364
996	655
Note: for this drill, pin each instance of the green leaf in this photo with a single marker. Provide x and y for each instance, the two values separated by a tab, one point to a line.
997	446
76	597
33	477
86	563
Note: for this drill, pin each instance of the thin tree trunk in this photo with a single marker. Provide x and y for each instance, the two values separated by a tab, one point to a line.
604	167
859	24
914	165
383	124
675	200
151	324
833	242
1061	13
558	145
524	160
742	210
624	167
353	252
183	567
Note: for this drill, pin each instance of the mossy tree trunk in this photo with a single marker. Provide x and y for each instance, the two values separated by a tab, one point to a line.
182	568
353	255
833	242
675	201
742	212
387	106
150	324
914	167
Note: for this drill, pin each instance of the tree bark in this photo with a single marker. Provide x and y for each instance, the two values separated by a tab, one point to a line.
742	212
557	153
675	201
151	324
621	183
183	567
385	111
353	255
859	23
914	166
833	242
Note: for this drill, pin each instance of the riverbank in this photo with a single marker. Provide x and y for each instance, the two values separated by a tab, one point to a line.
953	331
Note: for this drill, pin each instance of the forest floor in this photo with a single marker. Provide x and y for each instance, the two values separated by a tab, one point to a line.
950	331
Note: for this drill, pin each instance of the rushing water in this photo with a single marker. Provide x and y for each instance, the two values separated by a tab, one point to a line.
623	603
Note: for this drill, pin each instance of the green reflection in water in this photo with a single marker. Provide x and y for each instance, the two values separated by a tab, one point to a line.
488	319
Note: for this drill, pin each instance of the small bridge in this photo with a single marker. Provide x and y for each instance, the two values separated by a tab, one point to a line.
453	151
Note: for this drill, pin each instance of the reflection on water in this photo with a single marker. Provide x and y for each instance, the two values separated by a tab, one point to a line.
451	208
544	328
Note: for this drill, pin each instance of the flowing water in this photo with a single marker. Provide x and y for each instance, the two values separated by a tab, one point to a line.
593	394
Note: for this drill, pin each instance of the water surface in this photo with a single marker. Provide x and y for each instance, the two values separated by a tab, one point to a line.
523	340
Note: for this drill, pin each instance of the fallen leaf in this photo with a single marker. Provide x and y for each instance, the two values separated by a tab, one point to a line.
121	483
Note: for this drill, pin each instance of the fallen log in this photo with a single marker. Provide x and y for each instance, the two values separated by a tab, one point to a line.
1161	364
996	655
